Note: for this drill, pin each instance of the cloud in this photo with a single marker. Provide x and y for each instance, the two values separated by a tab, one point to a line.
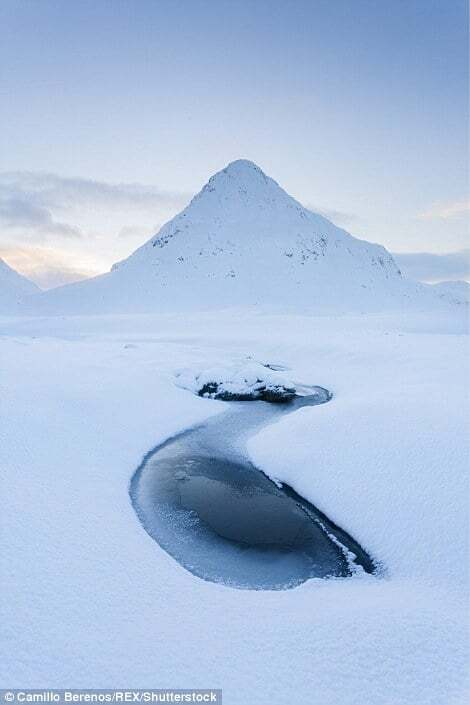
46	206
338	217
431	268
46	267
445	211
19	213
56	191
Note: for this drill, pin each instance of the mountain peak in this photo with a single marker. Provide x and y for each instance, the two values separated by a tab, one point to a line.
240	185
240	174
244	167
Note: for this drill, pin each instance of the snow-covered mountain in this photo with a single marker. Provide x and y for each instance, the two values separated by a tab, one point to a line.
13	288
242	241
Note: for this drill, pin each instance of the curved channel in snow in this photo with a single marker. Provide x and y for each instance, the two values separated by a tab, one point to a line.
202	500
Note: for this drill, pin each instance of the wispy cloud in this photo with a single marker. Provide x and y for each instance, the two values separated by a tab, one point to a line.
19	213
338	217
59	191
45	205
56	229
445	211
431	268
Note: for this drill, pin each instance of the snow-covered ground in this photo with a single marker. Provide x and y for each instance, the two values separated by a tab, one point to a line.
94	602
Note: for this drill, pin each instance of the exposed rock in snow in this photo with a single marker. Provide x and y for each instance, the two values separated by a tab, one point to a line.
245	382
13	288
243	241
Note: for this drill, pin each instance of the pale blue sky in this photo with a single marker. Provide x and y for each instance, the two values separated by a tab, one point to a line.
357	107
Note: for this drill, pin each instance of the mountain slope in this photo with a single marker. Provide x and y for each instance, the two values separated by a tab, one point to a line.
457	292
13	288
242	241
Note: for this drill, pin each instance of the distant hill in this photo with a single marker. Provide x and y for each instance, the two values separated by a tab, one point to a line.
13	288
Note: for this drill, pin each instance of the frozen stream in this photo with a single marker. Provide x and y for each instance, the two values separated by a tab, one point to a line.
203	501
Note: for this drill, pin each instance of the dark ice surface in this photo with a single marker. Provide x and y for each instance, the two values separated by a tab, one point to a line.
221	518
